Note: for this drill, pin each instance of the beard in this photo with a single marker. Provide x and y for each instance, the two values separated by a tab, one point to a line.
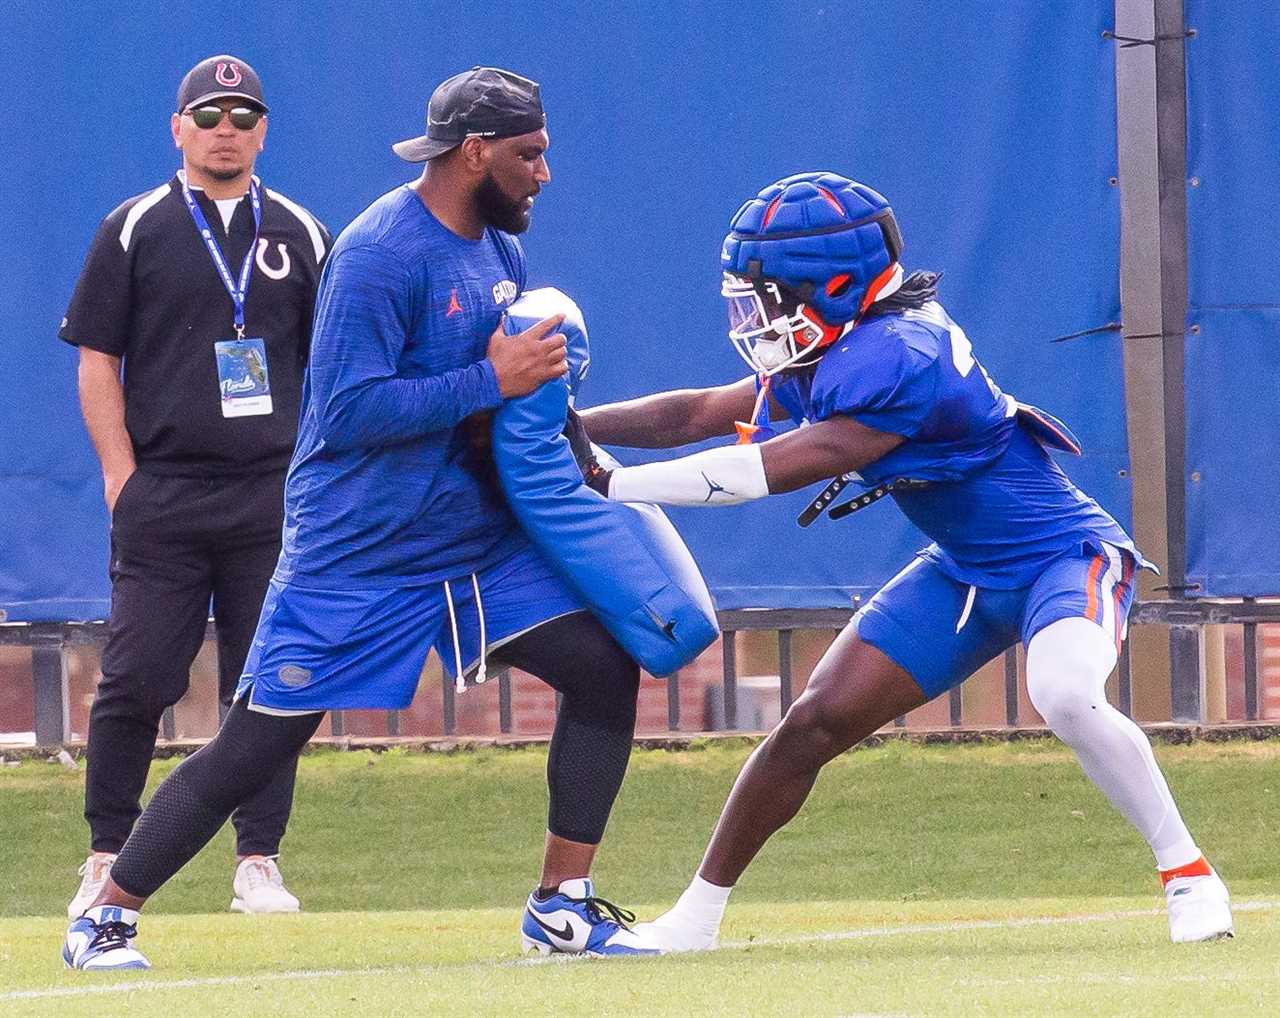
221	172
498	210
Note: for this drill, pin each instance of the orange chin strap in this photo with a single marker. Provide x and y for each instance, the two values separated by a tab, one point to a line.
747	432
830	333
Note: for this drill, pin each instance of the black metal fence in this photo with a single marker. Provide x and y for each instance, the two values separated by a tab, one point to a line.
49	643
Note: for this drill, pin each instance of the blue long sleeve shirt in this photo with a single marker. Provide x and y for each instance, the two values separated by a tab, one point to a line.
388	486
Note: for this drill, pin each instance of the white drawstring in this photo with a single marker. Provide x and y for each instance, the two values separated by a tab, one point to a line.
968	607
475	584
459	680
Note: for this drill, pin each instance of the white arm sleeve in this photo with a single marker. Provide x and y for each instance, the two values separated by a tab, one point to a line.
725	476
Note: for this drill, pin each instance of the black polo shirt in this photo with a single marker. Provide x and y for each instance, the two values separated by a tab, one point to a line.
150	293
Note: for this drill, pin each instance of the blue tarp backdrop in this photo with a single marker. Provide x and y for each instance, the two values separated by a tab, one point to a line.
992	135
1233	316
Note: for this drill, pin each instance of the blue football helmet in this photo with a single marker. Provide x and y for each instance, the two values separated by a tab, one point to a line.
803	260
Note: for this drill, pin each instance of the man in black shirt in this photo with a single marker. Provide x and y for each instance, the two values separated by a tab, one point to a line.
203	288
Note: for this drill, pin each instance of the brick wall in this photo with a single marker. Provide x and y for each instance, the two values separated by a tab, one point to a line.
1269	672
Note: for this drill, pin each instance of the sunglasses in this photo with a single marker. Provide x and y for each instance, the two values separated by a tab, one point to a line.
242	117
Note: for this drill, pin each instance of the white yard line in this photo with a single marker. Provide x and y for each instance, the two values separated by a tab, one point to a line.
302	975
1157	979
974	924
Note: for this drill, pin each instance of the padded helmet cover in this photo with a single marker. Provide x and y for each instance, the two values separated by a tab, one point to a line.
809	229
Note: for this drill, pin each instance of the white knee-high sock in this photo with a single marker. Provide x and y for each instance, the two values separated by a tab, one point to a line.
1067	667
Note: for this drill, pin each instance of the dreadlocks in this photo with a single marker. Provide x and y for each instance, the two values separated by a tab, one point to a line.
916	290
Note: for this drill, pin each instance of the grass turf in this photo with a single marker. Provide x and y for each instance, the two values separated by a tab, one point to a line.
905	837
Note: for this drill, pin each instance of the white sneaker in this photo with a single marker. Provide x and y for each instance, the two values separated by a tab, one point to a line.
259	887
94	872
672	933
1199	907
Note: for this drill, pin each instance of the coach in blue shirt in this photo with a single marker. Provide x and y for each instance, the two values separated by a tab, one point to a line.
397	538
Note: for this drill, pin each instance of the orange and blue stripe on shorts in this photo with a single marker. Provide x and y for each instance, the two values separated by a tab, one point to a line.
918	619
1109	592
1096	584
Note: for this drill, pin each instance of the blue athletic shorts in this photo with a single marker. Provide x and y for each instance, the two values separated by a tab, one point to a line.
941	631
354	649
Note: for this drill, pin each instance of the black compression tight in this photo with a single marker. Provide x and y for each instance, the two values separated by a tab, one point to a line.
591	744
194	801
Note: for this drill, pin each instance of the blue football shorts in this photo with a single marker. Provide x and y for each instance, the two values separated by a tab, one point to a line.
941	631
358	649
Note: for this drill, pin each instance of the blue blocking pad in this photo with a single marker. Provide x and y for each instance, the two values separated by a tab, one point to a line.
536	305
626	561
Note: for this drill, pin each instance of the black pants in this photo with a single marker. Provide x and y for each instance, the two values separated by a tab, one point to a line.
177	543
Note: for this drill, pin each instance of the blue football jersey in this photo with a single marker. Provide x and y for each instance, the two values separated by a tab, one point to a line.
998	507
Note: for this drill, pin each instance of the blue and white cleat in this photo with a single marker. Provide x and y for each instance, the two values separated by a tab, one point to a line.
575	921
101	940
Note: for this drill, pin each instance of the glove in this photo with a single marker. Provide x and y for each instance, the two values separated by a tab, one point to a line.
595	476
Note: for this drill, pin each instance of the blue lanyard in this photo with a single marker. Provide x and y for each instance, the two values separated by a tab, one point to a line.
238	293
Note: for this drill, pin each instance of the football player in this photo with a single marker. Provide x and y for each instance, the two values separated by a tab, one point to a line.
888	394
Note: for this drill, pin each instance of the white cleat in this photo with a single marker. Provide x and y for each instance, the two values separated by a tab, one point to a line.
671	934
1199	908
259	887
101	940
94	872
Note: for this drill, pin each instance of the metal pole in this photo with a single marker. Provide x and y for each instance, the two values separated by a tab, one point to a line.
1125	682
1011	686
673	701
223	708
730	648
49	677
448	705
1250	669
1137	181
504	701
785	669
1186	652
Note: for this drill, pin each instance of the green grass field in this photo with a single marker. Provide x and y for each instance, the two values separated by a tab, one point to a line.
960	880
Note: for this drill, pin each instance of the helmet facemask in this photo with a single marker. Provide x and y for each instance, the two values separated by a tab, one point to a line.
804	260
772	327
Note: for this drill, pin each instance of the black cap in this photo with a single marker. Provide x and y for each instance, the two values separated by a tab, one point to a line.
217	78
485	102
